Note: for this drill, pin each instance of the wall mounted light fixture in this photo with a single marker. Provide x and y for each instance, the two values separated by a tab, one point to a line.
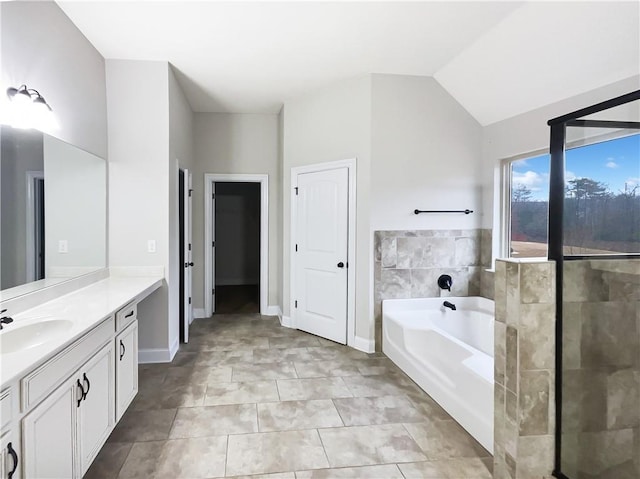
29	108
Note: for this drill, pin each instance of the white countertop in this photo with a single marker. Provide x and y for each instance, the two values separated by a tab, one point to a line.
84	308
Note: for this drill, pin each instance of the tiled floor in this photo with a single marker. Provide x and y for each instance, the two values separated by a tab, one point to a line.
247	396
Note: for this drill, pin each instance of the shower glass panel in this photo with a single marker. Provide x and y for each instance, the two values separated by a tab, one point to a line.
595	241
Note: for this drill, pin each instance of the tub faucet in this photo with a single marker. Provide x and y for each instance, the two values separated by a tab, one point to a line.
449	305
445	282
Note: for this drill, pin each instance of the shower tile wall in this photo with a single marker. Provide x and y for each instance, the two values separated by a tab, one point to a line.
601	369
408	264
524	418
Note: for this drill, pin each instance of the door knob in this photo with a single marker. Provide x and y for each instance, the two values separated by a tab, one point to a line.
186	265
340	264
191	264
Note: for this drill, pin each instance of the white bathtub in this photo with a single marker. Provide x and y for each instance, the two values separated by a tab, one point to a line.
447	353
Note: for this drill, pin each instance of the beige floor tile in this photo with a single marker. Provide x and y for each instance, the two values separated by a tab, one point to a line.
138	426
424	470
233	344
214	421
263	372
109	461
428	407
279	355
366	445
381	385
317	388
142	461
241	393
467	469
445	440
201	375
289	415
275	475
339	353
173	393
294	342
377	410
193	458
275	452
387	471
222	358
375	366
323	369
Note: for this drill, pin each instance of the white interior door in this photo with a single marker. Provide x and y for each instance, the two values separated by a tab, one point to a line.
213	249
320	303
188	257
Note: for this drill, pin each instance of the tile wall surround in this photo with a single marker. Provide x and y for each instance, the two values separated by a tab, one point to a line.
408	263
524	419
601	369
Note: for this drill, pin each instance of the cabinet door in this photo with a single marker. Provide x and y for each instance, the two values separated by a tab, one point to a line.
10	459
96	411
126	368
49	435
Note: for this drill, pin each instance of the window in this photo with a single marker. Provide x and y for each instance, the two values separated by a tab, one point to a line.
601	207
528	186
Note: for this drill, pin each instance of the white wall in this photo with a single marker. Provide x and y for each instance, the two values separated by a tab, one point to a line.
529	134
328	125
42	48
237	233
240	144
139	199
426	154
75	209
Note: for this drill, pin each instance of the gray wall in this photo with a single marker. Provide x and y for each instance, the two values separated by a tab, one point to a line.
238	144
328	125
28	146
42	48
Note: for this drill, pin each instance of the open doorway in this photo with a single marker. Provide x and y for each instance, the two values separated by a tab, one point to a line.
237	235
237	248
35	231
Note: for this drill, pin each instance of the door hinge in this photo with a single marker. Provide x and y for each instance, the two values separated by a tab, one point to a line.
213	244
190	192
189	300
347	264
213	196
296	247
189	246
296	303
213	291
296	188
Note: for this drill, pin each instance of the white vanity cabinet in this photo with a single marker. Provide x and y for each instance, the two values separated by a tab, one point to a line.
64	433
126	367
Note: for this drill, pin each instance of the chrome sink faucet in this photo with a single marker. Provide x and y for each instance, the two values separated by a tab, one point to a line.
5	319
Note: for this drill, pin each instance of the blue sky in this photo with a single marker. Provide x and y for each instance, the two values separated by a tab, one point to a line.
615	163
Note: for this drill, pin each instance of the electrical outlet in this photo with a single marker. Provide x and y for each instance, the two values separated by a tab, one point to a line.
63	246
151	246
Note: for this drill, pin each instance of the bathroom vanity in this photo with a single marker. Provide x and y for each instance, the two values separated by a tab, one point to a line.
68	372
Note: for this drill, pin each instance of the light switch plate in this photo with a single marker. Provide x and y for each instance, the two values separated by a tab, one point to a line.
151	246
63	246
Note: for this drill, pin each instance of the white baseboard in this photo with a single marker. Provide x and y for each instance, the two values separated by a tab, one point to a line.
198	313
174	348
364	345
286	322
146	356
273	310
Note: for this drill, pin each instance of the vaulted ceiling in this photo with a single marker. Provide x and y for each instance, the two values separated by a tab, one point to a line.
498	59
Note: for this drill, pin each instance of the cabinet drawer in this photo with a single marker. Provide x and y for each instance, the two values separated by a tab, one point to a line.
6	408
126	315
47	377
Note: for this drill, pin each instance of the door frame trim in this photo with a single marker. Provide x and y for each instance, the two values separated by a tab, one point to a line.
31	177
209	280
350	164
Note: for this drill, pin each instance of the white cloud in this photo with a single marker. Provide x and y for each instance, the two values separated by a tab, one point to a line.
532	180
611	164
518	163
631	182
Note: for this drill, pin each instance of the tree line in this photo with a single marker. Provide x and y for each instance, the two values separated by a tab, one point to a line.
594	216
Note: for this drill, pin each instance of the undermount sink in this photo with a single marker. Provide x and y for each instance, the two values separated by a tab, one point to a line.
16	338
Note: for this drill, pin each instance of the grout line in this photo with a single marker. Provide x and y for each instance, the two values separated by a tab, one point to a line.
226	456
324	449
